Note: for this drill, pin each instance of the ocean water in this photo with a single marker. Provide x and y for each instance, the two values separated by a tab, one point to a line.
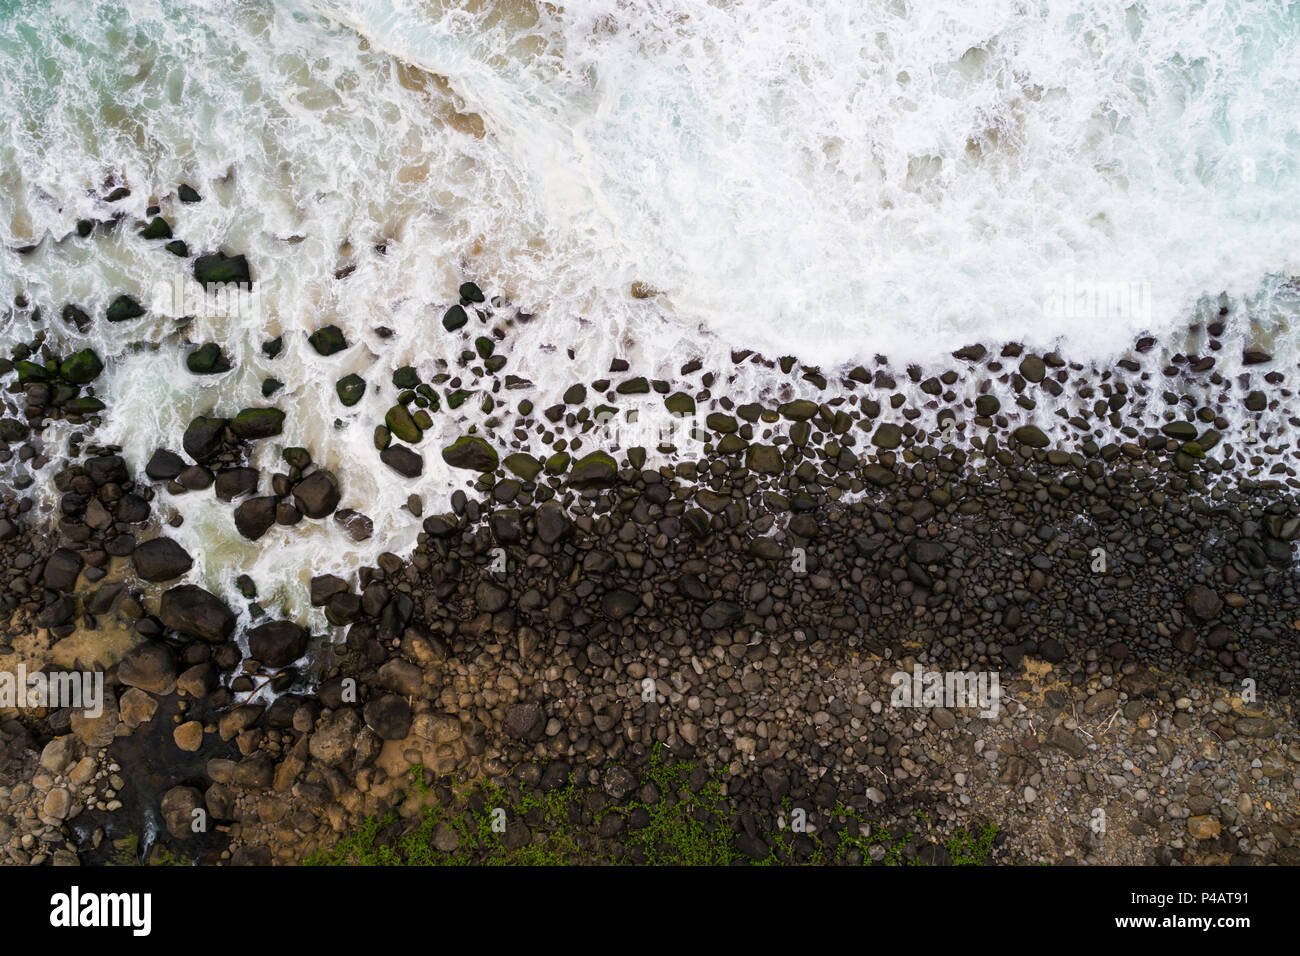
832	179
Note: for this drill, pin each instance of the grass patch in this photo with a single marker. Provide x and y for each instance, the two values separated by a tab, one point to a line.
685	823
126	852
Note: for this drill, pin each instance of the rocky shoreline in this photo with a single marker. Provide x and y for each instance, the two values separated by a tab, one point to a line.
612	649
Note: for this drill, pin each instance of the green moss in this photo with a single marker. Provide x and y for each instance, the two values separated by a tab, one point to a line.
683	825
126	852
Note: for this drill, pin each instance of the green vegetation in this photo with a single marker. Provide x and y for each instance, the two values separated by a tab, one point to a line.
683	823
126	852
965	848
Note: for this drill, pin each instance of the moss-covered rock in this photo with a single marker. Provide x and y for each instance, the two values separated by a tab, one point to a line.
764	459
328	340
122	308
525	466
718	422
252	424
31	372
679	403
157	229
81	368
799	410
594	470
85	405
402	425
207	359
634	386
1032	436
454	318
350	388
217	268
471	452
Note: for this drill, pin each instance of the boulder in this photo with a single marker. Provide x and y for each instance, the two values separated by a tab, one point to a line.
1204	604
161	560
252	424
164	465
471	453
593	471
254	517
402	460
328	340
177	808
389	717
207	359
149	667
203	437
217	268
122	308
194	612
317	495
81	368
277	643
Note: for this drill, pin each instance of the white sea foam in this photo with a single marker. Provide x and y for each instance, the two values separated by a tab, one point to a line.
826	178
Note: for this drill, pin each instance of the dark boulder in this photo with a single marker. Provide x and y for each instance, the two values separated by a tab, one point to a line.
472	453
358	526
61	570
235	483
203	437
207	359
619	603
194	612
720	614
254	517
324	587
161	560
217	268
123	308
389	717
105	469
252	424
277	643
1204	603
552	523
81	368
164	465
328	340
593	471
317	495
149	666
402	460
